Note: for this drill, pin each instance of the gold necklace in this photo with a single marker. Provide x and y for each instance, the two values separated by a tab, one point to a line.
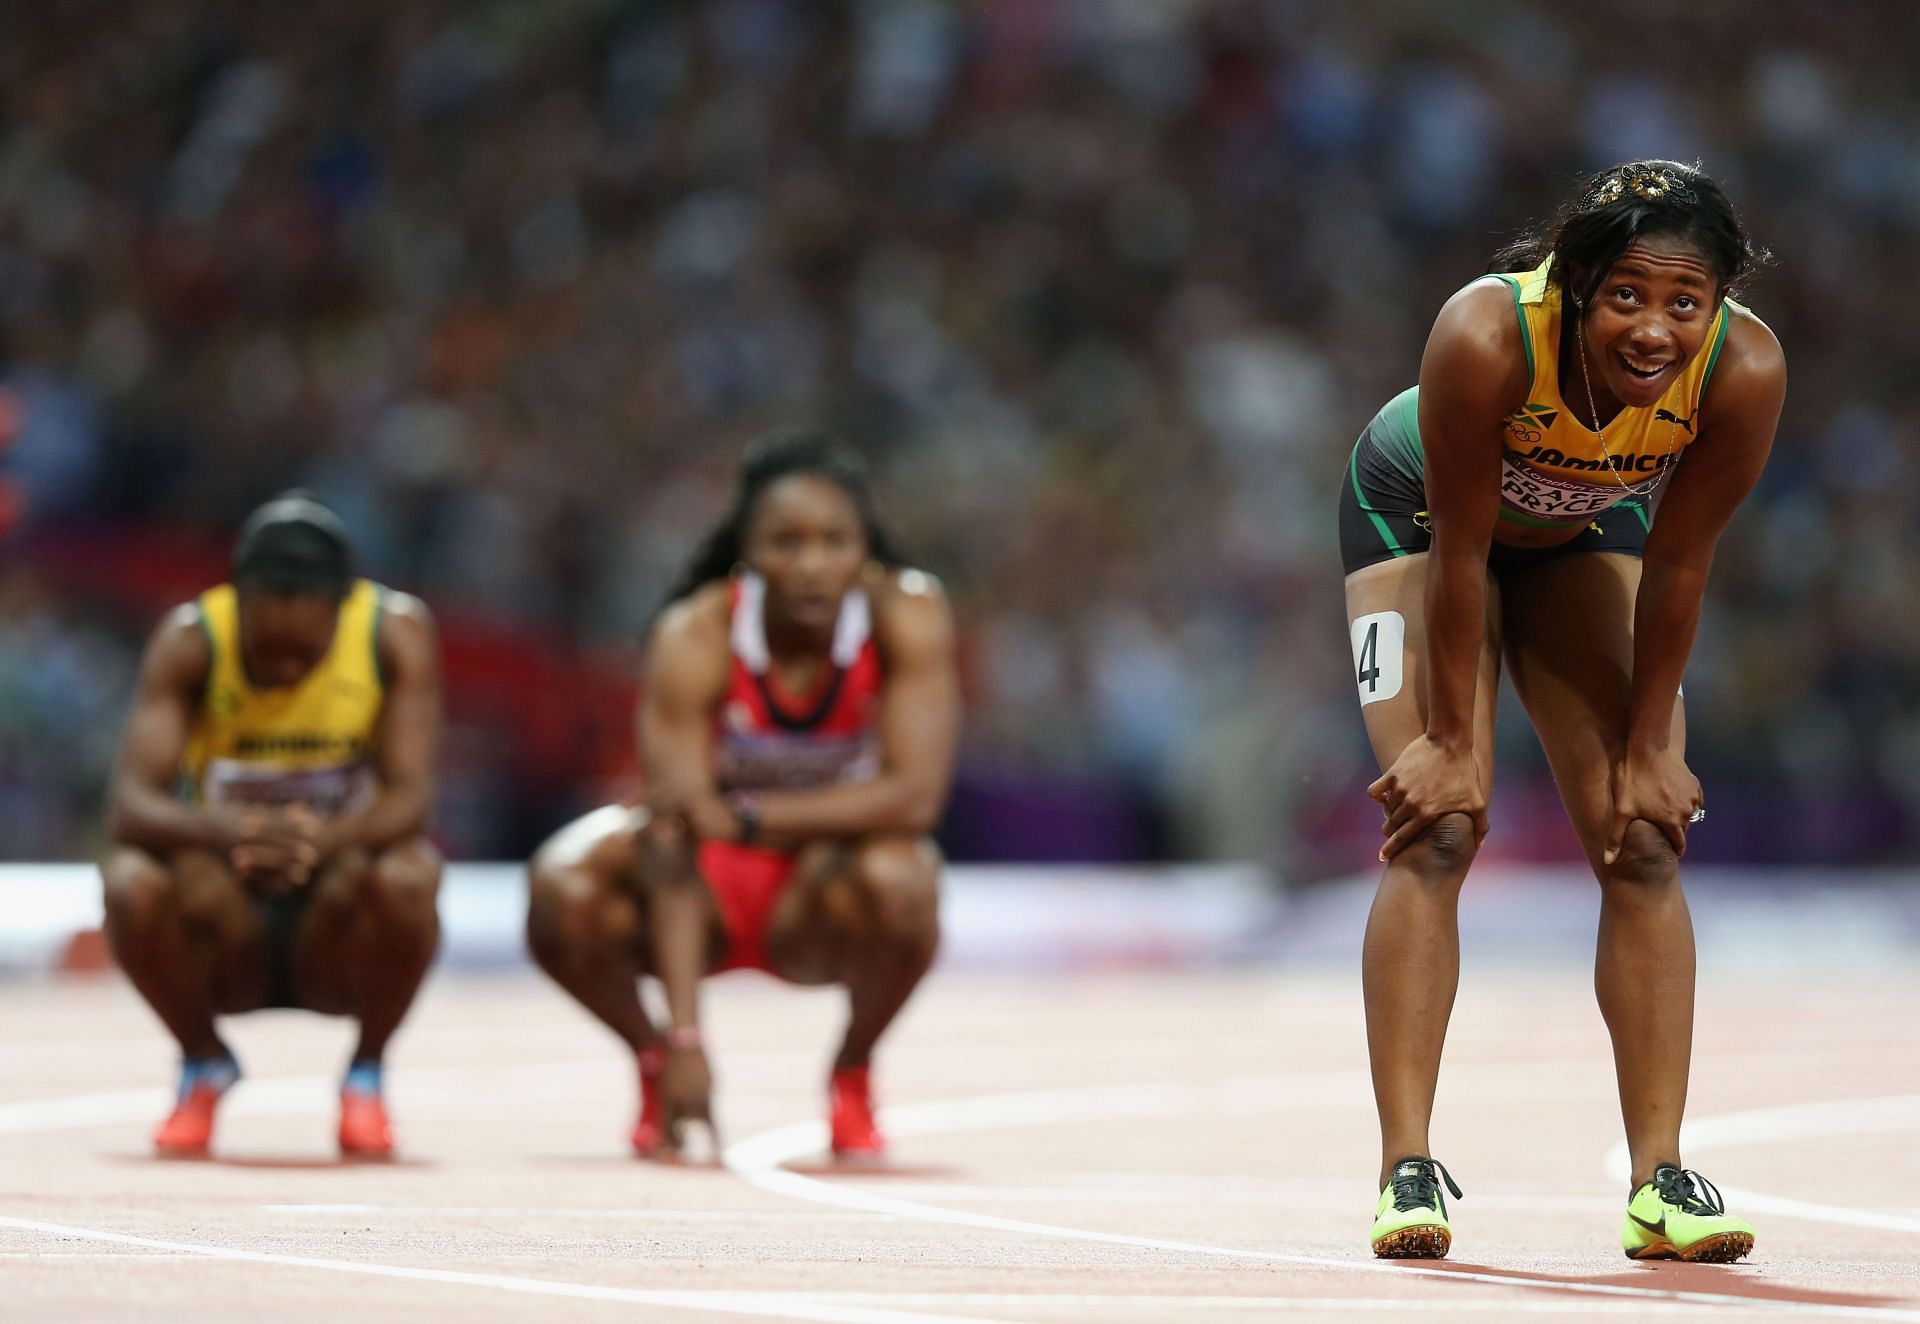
1600	433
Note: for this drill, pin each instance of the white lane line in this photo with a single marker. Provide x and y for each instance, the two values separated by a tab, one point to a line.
727	1216
759	1160
1797	1121
1199	1189
1378	1306
95	1255
770	1305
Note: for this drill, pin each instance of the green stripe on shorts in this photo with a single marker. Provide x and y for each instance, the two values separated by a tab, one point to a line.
1380	526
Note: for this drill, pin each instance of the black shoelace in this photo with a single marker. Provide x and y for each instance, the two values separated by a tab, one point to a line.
1416	1187
1689	1190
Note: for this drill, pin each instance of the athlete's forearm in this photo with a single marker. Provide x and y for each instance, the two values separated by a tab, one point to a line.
396	814
1456	609
1666	615
892	803
152	820
679	925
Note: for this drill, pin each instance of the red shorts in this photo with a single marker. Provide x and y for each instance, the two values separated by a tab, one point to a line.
746	881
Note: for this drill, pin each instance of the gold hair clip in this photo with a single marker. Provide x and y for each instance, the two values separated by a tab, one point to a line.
1651	183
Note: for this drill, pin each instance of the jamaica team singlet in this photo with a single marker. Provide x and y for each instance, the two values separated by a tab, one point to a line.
307	744
1556	472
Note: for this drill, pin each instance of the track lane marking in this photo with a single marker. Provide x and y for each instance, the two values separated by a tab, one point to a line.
773	1305
760	1161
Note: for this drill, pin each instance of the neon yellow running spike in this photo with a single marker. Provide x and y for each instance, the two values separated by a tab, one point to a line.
1679	1215
1410	1222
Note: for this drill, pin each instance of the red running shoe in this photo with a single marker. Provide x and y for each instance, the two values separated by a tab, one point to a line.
188	1130
365	1132
648	1135
850	1098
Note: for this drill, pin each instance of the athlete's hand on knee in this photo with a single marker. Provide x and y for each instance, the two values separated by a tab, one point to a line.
686	1094
1655	785
1427	780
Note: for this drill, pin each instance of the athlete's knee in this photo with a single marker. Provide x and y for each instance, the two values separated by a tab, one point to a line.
574	908
210	894
139	891
554	898
1646	858
1443	852
404	882
901	878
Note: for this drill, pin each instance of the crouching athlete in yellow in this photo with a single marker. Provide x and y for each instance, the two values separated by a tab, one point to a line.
269	813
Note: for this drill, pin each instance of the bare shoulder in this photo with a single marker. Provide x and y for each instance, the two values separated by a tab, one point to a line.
1480	317
910	609
1751	359
907	594
688	651
180	651
1477	353
698	621
404	616
408	641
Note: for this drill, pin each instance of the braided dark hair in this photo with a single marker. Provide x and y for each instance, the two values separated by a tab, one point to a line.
1637	200
767	461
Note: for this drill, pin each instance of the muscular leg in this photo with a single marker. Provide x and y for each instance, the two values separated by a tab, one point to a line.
1570	645
584	923
187	935
869	919
587	917
369	935
1410	962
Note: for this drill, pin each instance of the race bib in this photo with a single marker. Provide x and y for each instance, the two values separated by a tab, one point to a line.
1531	492
326	791
1379	655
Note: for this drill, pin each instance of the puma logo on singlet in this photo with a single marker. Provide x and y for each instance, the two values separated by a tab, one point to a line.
1668	416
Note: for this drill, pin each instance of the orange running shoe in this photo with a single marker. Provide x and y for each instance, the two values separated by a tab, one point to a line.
365	1131
188	1130
850	1097
648	1135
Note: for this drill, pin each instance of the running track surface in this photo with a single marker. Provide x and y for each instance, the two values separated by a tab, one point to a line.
1141	1148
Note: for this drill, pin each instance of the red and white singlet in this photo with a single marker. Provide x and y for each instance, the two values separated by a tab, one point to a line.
768	740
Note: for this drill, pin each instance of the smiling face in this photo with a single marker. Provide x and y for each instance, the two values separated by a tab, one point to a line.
1648	318
808	542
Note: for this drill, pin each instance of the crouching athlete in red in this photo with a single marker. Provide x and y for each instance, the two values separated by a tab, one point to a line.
797	731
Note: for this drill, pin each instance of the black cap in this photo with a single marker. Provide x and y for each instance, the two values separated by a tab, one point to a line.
293	545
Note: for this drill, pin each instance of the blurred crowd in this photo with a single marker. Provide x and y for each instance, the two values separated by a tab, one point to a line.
1105	289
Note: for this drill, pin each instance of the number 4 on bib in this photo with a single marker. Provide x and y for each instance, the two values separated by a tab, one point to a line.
1378	655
